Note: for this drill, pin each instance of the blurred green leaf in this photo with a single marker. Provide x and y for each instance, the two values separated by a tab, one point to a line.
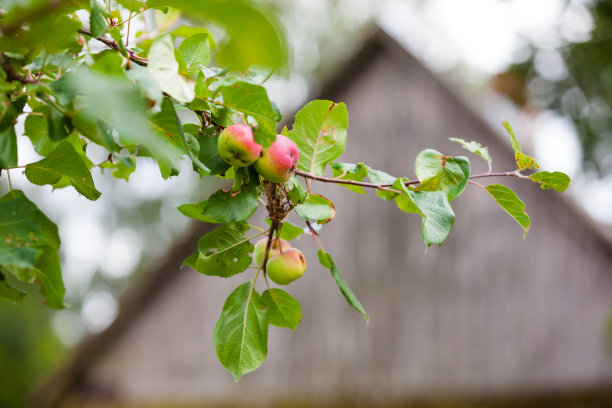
509	201
241	333
97	23
255	36
63	161
164	68
320	133
8	148
117	102
283	310
252	100
557	180
196	52
7	292
24	226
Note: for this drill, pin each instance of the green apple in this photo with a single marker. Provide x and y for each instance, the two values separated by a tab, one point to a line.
277	162
286	267
237	147
260	249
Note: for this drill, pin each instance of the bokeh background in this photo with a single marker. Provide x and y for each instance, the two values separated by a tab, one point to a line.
545	66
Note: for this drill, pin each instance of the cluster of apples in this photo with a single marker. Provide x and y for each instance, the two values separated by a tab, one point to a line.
285	264
275	163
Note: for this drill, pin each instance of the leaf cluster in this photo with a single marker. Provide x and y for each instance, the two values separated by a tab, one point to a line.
130	100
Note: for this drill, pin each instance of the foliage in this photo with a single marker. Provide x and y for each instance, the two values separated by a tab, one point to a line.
125	100
579	91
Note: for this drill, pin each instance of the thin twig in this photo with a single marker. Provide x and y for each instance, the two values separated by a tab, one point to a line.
113	44
349	182
384	187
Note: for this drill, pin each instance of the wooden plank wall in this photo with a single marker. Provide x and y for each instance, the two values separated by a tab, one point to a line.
487	314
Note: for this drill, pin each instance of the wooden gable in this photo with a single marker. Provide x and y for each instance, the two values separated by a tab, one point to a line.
486	316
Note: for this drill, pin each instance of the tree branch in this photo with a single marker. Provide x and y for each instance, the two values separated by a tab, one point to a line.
384	187
12	75
349	182
113	45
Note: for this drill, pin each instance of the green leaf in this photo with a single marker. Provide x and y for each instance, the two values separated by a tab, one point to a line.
349	171
513	140
8	292
109	62
509	201
523	161
283	309
252	100
474	147
255	35
195	211
164	68
32	242
438	216
228	206
209	154
316	207
196	52
241	333
165	123
438	172
8	148
59	125
223	252
290	231
150	89
320	133
380	177
116	34
37	129
557	180
326	260
405	200
63	161
133	5
97	23
123	167
116	102
295	190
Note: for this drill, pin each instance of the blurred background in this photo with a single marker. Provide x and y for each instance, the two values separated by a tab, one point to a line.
545	66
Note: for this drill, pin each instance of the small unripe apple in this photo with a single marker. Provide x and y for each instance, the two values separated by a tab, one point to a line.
277	162
260	249
286	267
237	147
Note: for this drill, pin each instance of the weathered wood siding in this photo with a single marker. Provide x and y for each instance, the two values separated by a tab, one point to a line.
485	314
